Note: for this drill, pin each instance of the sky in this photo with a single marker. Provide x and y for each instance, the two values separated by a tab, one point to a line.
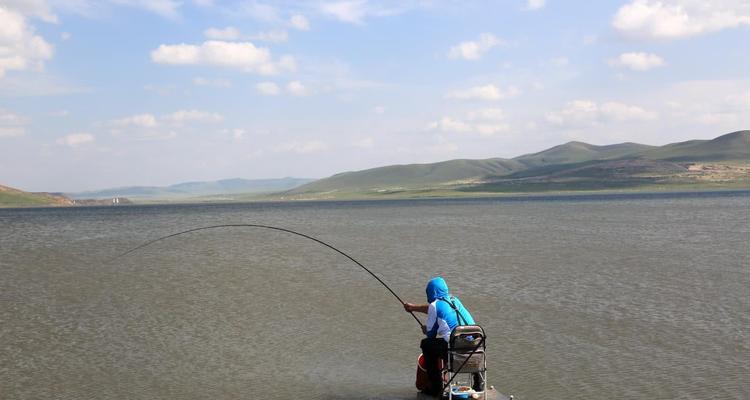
110	93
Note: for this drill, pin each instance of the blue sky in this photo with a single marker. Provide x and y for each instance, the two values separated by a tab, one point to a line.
109	93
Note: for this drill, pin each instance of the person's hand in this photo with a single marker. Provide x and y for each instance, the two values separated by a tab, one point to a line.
409	307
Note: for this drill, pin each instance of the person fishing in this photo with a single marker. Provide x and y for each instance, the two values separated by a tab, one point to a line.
444	313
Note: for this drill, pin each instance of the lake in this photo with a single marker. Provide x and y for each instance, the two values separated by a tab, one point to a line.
592	297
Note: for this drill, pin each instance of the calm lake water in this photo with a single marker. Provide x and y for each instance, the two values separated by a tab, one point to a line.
618	297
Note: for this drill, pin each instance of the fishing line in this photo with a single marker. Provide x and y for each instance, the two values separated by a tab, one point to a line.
275	229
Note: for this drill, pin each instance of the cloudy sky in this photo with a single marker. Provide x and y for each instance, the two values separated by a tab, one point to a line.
103	93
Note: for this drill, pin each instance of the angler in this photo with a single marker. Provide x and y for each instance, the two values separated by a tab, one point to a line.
444	313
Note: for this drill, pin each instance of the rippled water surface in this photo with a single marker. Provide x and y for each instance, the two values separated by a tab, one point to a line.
589	298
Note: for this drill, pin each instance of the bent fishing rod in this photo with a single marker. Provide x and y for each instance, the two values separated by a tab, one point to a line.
274	228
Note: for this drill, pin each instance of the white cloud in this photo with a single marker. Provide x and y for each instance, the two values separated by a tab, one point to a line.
32	8
268	88
277	36
534	4
638	61
364	143
581	113
182	116
11	125
560	61
260	11
299	22
238	134
296	88
490	129
336	76
450	125
484	121
624	112
655	19
301	147
60	113
165	8
238	55
147	126
287	63
43	9
75	139
473	50
231	33
228	33
379	109
11	131
177	118
218	83
590	39
347	11
7	117
491	114
721	104
441	146
487	92
355	11
139	120
20	48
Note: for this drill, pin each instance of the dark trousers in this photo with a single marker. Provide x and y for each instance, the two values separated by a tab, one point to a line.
433	350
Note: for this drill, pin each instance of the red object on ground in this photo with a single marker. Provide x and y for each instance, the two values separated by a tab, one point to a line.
423	381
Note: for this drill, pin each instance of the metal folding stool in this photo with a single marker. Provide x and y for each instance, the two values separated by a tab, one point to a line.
466	357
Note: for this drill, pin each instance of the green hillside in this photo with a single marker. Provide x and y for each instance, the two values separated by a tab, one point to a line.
10	197
576	152
396	177
571	166
734	146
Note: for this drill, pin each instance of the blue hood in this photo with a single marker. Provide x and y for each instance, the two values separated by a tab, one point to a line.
436	288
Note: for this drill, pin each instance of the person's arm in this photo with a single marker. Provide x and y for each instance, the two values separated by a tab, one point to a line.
411	307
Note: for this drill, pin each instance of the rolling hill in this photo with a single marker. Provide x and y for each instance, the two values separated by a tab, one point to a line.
575	152
10	197
734	146
195	189
724	160
413	175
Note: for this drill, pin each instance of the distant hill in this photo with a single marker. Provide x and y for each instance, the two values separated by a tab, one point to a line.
571	166
413	175
10	197
575	152
734	146
195	189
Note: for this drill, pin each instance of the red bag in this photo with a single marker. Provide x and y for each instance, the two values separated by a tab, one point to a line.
423	381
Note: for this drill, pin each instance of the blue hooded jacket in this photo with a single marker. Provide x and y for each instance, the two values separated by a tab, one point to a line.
441	317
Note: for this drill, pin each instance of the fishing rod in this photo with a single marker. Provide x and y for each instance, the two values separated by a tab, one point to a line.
275	228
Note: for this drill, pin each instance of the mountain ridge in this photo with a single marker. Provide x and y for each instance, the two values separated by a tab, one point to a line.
734	146
195	189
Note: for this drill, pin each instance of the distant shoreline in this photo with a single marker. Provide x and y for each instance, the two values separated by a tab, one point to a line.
509	197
